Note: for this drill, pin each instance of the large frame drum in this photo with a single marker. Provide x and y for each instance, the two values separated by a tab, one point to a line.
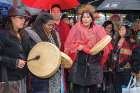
48	62
66	61
101	45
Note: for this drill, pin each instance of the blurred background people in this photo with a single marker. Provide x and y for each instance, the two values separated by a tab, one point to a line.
121	58
61	27
65	18
116	20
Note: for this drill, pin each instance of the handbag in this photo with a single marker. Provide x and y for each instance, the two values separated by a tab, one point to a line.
131	88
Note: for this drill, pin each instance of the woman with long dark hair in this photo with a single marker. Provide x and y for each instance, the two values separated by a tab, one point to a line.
14	48
44	29
121	58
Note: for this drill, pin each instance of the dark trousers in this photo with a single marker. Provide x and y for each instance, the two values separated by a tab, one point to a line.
121	79
108	84
85	89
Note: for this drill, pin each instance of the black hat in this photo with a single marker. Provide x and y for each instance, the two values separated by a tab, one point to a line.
17	12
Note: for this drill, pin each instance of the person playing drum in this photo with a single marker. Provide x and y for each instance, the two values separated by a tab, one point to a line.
86	73
43	30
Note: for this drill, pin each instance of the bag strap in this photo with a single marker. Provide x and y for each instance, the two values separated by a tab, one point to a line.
132	82
33	34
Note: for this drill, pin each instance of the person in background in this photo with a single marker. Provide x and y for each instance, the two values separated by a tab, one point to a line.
135	60
72	21
121	58
134	30
108	73
116	20
14	48
86	73
109	28
61	27
108	25
135	63
65	18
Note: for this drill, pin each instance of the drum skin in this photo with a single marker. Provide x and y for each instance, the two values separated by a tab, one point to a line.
49	61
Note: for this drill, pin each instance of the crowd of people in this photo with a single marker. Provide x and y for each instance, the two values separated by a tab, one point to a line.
105	72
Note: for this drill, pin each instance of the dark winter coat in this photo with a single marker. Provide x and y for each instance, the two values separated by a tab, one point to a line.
86	70
11	50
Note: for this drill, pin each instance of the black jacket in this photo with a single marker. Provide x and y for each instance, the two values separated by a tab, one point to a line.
86	71
135	60
12	49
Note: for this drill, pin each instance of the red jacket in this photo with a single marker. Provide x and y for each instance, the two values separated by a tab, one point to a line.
63	30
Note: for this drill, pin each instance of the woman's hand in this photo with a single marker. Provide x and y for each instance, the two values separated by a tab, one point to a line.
21	63
80	47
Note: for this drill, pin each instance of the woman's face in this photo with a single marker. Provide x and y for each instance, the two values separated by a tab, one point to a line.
108	28
86	19
49	26
66	20
18	21
122	31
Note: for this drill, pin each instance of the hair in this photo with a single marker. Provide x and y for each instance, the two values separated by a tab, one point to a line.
108	22
127	30
15	11
115	16
91	18
32	20
86	7
128	33
56	5
42	19
64	16
10	28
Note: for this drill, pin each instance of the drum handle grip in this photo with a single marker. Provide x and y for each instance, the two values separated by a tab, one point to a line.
35	58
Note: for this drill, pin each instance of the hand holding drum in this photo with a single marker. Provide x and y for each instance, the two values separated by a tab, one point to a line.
101	45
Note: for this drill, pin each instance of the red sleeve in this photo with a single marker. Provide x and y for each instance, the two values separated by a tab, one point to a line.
106	53
64	31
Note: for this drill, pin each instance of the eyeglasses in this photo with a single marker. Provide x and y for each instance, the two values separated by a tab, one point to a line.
22	17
